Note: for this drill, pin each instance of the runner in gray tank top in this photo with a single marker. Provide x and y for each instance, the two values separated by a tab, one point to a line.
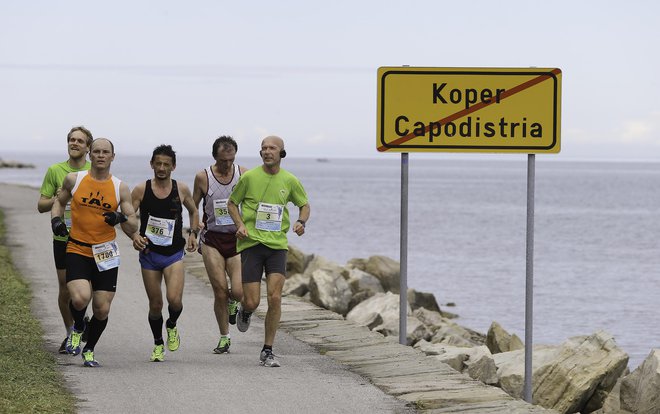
213	185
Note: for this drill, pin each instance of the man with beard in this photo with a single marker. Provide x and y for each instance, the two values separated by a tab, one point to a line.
78	142
160	243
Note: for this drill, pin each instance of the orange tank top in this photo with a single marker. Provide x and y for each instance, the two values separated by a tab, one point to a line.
90	199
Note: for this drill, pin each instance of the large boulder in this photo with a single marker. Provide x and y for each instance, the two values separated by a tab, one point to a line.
477	362
379	307
359	280
567	377
296	261
451	333
359	297
329	290
499	340
640	391
381	314
386	270
430	318
297	284
319	262
422	300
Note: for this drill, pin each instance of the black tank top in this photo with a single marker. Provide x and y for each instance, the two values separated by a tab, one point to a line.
167	208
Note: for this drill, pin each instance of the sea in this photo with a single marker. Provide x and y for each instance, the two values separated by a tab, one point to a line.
597	234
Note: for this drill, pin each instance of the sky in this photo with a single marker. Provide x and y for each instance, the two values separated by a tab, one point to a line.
143	73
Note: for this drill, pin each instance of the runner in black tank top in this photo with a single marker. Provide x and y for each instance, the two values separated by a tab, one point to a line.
167	208
160	202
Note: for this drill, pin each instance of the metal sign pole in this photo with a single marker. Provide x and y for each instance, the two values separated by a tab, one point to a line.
403	259
529	281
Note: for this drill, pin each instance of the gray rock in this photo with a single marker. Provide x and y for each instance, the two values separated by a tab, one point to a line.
359	297
359	280
566	377
386	270
319	262
640	391
499	340
297	284
330	290
422	300
296	261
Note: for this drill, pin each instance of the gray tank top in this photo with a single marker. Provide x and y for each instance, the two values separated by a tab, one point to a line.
216	217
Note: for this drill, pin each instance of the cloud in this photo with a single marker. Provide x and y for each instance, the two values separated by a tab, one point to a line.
642	131
316	139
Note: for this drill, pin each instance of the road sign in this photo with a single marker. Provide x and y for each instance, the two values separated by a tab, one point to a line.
469	110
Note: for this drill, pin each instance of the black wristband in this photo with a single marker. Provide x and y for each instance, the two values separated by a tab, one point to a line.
195	232
301	222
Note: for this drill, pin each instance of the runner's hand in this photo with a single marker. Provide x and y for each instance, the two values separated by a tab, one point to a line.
59	228
114	217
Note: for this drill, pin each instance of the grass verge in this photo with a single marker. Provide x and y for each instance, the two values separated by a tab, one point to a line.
29	379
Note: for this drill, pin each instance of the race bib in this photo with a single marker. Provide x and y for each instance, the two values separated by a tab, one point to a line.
160	231
269	217
221	213
106	255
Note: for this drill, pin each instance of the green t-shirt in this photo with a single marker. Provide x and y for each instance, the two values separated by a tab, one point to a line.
55	177
263	198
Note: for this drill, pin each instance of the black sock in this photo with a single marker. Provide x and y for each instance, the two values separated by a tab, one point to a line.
268	347
156	325
96	328
78	317
174	315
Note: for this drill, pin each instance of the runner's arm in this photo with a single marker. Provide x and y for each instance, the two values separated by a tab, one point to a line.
303	216
130	226
241	231
139	242
63	196
193	215
199	191
46	203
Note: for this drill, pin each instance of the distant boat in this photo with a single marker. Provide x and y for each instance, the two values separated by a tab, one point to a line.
322	160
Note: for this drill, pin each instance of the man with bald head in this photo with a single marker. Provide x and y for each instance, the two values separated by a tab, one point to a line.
92	253
262	223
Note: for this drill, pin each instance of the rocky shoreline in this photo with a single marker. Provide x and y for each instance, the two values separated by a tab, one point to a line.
14	164
585	374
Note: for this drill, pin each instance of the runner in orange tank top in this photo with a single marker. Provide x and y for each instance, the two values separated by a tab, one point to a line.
93	257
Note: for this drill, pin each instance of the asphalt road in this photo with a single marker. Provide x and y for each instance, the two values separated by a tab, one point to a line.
192	379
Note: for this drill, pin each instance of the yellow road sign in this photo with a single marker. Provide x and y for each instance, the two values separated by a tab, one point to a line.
469	110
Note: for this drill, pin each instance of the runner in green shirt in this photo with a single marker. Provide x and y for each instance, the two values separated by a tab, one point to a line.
78	140
263	194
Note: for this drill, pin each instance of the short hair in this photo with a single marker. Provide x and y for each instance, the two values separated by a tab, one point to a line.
224	141
85	131
112	146
164	150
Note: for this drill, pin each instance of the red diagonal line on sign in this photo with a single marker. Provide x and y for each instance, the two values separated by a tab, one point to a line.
506	94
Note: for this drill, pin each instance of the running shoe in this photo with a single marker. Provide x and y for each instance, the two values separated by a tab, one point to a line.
173	339
62	349
233	309
267	359
86	330
158	354
243	319
88	359
73	343
223	345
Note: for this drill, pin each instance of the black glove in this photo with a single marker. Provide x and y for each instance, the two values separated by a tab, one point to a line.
114	217
59	228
